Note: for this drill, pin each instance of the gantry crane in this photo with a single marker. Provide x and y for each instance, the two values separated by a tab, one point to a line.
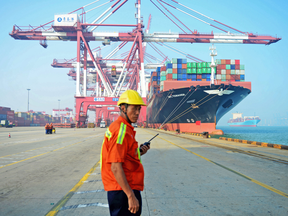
73	27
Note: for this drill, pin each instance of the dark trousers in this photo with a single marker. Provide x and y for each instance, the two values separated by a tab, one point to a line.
118	203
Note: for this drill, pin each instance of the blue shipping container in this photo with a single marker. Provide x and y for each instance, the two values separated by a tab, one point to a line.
179	61
194	76
154	78
179	79
199	79
184	76
232	67
194	79
204	76
158	69
179	65
242	77
189	76
184	61
3	117
208	79
184	71
169	65
208	76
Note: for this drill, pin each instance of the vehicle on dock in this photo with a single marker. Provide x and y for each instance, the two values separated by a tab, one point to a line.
7	124
102	124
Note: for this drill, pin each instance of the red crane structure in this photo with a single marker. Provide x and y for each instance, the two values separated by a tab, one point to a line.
73	27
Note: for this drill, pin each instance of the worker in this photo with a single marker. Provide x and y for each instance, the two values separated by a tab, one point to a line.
47	126
121	168
51	128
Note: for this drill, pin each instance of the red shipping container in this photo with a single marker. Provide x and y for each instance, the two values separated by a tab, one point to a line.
219	67
228	77
163	68
237	62
218	72
154	74
223	61
237	66
169	76
199	76
237	77
174	70
184	66
228	61
228	72
3	112
154	83
223	67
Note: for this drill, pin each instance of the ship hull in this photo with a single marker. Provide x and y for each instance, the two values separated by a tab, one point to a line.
193	109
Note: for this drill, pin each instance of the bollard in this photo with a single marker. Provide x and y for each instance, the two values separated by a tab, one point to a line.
205	135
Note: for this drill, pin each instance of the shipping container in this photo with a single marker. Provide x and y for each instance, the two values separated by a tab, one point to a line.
204	70
232	62
242	67
189	70
169	71
189	64
228	72
174	65
174	60
199	65
203	64
169	65
174	70
194	70
179	66
228	67
223	61
3	117
184	61
174	76
237	62
179	61
223	72
232	71
184	66
199	71
218	61
209	70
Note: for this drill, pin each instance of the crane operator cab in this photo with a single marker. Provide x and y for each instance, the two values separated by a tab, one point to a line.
113	71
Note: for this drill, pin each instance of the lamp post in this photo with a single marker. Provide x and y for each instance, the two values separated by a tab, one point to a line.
59	109
28	98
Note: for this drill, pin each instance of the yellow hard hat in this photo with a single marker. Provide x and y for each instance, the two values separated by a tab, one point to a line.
131	97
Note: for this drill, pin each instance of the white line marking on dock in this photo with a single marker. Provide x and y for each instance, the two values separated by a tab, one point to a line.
94	173
84	206
93	191
91	181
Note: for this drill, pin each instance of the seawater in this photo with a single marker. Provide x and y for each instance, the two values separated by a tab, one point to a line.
269	134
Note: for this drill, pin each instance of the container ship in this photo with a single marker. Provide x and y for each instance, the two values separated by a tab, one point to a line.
247	121
191	97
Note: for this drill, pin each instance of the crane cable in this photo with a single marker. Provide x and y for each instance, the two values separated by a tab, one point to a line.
178	105
191	108
163	103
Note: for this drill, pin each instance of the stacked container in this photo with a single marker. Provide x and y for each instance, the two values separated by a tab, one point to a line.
181	70
230	70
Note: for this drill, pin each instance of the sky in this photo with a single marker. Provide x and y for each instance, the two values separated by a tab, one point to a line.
25	64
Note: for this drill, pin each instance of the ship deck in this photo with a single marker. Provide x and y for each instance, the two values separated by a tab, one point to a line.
184	174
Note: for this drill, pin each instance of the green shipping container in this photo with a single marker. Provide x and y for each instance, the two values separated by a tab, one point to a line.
174	60
194	70
163	73
189	70
232	72
199	65
169	71
194	64
209	70
174	76
242	67
208	64
189	64
218	61
162	78
228	67
204	64
204	70
199	71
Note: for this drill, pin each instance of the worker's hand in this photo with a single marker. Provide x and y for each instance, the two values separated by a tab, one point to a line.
144	149
133	204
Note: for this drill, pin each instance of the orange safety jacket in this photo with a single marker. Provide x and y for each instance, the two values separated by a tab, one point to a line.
119	145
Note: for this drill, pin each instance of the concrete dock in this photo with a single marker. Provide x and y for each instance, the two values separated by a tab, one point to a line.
59	174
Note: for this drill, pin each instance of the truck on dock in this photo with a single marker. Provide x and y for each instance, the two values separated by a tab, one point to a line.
6	123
